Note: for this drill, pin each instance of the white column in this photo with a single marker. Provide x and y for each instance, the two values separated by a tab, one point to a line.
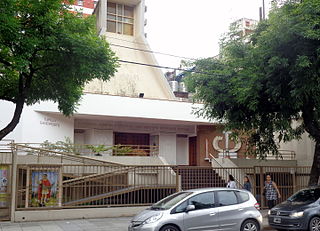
168	147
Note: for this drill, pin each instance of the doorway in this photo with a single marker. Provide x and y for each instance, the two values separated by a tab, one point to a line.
193	151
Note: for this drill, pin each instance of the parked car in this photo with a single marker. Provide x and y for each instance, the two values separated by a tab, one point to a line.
300	212
201	209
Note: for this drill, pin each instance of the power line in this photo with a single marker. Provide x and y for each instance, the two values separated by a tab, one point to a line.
155	52
150	51
164	67
126	40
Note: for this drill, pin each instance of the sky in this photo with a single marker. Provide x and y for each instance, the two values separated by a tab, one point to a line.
193	28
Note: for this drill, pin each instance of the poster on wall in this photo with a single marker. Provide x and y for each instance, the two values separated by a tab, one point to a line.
44	188
4	173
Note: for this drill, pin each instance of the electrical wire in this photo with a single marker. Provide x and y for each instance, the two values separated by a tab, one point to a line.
150	51
145	44
126	40
165	67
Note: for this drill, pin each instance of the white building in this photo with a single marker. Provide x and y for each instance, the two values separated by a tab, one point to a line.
136	107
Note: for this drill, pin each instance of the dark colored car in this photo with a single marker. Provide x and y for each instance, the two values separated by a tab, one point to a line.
300	212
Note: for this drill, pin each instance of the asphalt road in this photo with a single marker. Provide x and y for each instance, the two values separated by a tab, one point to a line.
106	224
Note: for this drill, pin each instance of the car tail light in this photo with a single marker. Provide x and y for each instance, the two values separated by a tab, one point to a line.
257	206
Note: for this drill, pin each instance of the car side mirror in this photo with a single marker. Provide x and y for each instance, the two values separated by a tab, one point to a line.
190	208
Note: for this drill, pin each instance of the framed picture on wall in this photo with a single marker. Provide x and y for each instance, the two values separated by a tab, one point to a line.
44	187
4	178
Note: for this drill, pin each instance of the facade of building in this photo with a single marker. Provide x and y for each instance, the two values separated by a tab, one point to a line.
244	26
137	106
84	7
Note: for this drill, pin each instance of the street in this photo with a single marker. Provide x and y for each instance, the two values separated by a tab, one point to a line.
109	224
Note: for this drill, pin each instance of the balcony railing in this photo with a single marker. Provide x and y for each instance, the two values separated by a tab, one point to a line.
97	150
283	155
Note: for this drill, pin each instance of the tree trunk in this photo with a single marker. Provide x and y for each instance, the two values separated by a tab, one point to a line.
15	119
315	170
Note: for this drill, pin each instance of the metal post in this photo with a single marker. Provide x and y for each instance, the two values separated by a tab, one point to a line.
263	10
178	180
27	188
261	187
60	187
13	184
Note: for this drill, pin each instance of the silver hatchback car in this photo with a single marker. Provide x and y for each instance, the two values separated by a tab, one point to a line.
201	209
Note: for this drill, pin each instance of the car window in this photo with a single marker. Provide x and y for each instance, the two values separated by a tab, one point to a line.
227	198
306	195
242	196
203	200
170	201
181	208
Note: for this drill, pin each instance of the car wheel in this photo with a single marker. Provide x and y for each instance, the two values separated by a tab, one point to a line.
169	228
314	224
250	225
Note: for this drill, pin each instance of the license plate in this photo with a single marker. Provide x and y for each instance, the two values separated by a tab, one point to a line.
277	220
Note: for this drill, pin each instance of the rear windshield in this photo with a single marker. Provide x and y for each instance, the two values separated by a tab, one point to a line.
306	195
170	201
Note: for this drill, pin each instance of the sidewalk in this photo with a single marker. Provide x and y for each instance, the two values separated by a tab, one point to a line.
107	224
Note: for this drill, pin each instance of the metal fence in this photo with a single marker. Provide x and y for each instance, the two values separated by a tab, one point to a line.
93	185
73	186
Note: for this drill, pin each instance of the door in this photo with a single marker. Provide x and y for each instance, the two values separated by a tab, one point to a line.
205	215
230	215
193	151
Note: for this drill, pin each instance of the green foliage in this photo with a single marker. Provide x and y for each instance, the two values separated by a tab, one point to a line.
118	150
48	53
61	146
269	85
121	150
97	149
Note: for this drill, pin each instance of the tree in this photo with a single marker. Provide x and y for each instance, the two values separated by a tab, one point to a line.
268	85
48	53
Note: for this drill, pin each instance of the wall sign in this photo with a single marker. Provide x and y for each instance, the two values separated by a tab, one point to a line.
47	121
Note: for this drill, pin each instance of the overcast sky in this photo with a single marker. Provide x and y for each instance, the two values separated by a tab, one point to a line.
193	28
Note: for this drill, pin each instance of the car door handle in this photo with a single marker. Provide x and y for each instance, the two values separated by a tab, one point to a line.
240	209
212	214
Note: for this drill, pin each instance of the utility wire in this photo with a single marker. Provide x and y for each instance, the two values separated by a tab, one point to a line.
150	51
126	40
164	67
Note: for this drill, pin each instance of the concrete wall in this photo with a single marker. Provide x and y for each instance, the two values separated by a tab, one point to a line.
182	151
168	147
63	214
304	149
253	162
36	127
131	79
6	114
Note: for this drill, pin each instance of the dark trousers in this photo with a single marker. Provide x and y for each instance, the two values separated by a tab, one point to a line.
271	203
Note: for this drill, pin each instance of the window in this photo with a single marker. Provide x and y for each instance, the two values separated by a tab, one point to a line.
170	201
95	2
120	19
242	196
203	200
181	208
227	198
310	195
80	2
